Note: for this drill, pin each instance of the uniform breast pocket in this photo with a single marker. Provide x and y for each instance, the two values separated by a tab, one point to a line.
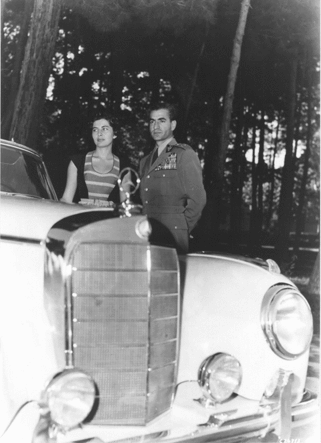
166	180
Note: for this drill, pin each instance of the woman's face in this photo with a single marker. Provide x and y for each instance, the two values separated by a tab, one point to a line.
102	133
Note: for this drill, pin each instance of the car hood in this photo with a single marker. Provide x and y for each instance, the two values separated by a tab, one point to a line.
269	264
31	218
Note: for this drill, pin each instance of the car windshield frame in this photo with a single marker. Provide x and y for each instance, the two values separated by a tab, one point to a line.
23	172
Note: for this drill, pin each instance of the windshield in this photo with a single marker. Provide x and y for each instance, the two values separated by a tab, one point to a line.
24	173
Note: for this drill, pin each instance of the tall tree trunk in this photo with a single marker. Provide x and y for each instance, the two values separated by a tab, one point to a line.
8	105
3	5
65	111
117	73
314	281
253	215
235	206
300	215
261	174
297	129
272	176
208	227
242	177
194	81
285	206
219	161
35	71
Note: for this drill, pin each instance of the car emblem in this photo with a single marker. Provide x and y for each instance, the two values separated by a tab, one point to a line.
128	182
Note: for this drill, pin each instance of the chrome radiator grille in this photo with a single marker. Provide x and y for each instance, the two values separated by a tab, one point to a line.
125	327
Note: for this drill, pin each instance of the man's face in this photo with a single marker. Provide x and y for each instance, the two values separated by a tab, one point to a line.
160	125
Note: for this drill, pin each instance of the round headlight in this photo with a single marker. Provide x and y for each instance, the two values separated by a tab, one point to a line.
219	376
70	397
143	228
287	322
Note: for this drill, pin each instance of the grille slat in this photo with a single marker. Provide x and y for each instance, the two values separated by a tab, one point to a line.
164	376
162	282
114	256
162	354
112	358
163	330
125	327
159	401
124	383
111	308
111	332
99	282
163	306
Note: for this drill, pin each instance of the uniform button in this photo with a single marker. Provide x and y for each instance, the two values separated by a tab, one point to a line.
146	189
175	227
164	175
146	201
148	176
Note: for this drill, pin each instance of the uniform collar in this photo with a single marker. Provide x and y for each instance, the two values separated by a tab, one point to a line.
170	145
160	158
164	145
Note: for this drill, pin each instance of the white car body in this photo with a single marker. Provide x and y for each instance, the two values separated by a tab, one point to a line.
220	300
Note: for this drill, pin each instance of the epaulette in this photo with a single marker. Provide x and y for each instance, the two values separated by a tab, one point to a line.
177	145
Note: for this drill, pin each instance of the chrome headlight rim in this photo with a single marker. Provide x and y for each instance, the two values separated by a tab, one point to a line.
55	403
270	300
143	228
205	373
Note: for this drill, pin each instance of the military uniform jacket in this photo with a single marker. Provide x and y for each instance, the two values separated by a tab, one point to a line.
172	188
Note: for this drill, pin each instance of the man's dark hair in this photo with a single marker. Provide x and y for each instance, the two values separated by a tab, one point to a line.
171	108
112	120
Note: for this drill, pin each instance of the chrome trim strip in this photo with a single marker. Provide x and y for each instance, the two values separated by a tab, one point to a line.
149	294
307	408
49	183
256	425
69	339
155	436
15	145
179	318
285	406
13	238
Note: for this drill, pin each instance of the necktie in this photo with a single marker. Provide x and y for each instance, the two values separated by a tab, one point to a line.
155	155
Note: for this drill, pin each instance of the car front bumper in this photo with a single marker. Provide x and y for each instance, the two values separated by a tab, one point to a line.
188	421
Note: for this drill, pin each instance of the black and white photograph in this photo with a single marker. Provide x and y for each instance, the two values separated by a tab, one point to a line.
160	221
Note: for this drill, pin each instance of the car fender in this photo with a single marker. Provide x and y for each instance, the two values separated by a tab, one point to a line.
30	358
221	313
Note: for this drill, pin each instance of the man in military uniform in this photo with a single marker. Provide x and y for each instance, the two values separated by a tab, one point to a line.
171	189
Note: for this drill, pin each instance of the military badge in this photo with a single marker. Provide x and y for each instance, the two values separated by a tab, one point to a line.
170	162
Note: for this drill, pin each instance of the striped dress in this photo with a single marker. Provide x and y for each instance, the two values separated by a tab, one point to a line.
99	184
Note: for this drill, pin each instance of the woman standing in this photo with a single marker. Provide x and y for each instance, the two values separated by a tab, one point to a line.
95	173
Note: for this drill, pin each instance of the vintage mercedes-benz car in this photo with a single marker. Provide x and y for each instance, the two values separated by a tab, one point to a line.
107	335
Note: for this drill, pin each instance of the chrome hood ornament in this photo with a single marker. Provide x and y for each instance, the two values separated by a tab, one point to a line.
128	182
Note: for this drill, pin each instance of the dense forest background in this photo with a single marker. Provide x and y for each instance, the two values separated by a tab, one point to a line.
245	75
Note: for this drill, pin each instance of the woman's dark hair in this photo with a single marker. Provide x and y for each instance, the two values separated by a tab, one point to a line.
112	120
171	108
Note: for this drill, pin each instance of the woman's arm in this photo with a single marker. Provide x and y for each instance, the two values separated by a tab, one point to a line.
71	184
